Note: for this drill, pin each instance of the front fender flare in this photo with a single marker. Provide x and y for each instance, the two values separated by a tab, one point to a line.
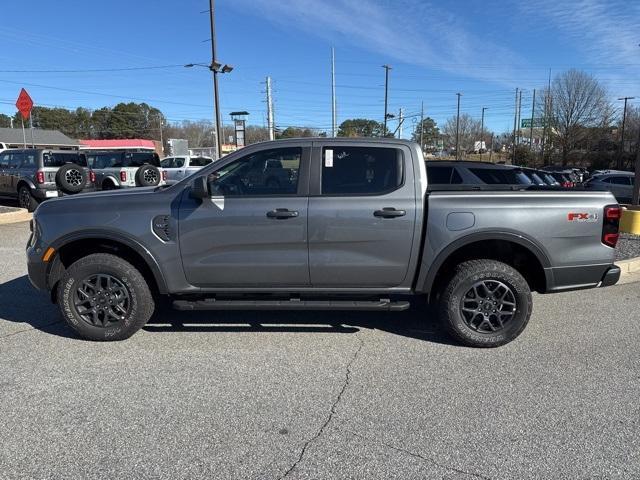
124	239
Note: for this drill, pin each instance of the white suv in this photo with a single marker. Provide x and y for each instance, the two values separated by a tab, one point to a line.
182	166
126	168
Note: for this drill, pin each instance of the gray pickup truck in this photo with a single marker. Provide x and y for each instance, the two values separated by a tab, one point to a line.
355	226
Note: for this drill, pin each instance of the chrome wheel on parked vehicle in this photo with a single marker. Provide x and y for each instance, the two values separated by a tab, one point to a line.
488	306
102	300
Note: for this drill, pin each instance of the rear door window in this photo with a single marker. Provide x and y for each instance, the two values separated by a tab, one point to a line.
199	162
361	170
619	180
58	159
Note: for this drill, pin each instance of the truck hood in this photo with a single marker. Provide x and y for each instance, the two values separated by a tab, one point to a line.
102	200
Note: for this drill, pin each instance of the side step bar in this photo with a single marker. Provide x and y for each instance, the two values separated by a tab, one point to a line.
384	304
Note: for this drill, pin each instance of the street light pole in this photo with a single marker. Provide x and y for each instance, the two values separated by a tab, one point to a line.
624	118
386	95
482	130
458	129
216	96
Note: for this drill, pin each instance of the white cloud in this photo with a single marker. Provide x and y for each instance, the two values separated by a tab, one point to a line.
414	32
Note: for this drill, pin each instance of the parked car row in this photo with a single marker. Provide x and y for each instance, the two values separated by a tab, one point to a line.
620	183
483	173
34	174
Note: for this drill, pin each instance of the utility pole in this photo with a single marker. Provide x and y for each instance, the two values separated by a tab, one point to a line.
161	139
11	120
533	110
458	129
624	118
513	140
636	183
491	148
547	111
386	94
214	69
334	130
482	130
422	126
519	129
400	122
270	110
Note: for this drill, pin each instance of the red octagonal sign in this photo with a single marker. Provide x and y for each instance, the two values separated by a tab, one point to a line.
24	104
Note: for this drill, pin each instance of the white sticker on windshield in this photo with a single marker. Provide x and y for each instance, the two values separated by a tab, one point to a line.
328	158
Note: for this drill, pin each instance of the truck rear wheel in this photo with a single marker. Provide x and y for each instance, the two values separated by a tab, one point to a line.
103	297
485	304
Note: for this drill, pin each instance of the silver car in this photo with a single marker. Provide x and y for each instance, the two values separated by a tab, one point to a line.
618	183
182	166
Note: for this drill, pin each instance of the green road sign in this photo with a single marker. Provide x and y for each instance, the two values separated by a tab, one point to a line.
537	123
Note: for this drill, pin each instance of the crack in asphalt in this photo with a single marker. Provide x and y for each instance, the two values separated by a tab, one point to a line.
419	456
29	329
332	412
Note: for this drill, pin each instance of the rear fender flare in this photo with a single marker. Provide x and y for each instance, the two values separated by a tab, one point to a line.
425	280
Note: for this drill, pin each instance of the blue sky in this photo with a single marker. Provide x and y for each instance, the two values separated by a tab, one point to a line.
482	49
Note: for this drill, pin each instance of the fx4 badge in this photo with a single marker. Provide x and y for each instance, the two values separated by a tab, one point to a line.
583	217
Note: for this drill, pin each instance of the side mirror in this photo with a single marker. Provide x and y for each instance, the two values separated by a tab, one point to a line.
200	188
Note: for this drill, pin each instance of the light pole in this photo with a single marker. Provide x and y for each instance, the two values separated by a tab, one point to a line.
624	118
386	95
458	129
482	130
215	68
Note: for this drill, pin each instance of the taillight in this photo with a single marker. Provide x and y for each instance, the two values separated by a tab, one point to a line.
123	176
40	176
164	175
568	184
92	176
611	225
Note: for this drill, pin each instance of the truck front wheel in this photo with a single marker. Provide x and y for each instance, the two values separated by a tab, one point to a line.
486	303
103	297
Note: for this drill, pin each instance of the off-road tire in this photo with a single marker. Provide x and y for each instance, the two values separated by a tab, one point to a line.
462	281
148	176
71	178
26	200
140	300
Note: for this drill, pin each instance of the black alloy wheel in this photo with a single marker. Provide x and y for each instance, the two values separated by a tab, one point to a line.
488	306
102	300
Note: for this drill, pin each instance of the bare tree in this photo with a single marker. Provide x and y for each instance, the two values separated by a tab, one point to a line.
576	104
469	131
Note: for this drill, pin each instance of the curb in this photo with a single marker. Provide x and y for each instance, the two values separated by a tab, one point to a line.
15	216
630	270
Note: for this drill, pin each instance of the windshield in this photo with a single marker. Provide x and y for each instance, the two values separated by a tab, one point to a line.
58	159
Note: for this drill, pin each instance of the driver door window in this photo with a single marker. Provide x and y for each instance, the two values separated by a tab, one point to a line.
267	173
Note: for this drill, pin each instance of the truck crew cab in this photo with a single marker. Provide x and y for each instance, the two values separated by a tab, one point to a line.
352	226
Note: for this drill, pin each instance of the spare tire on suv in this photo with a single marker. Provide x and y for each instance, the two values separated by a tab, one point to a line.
147	176
71	178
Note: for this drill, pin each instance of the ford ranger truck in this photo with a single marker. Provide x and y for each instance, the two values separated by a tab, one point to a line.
354	225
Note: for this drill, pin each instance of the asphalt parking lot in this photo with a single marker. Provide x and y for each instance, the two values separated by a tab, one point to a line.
318	395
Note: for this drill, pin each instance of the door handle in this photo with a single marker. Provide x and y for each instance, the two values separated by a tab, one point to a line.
389	212
282	213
